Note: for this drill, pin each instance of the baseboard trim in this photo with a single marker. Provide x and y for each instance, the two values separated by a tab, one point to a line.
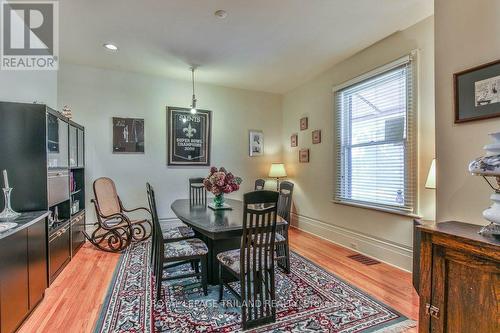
389	253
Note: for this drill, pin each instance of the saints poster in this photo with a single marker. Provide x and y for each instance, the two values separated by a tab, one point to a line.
188	137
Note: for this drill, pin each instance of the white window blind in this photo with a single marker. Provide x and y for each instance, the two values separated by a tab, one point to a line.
376	140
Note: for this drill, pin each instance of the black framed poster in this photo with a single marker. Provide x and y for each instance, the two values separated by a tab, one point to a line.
188	137
128	135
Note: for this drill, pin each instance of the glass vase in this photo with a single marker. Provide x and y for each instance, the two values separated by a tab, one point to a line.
8	213
219	200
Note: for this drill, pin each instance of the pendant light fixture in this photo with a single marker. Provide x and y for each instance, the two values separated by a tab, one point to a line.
193	101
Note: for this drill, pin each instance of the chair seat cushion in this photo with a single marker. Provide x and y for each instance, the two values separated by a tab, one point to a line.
185	248
231	260
177	232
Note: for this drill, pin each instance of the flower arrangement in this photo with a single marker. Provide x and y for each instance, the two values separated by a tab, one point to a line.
220	182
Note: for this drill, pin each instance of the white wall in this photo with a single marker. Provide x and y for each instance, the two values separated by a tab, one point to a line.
467	35
383	235
96	95
29	87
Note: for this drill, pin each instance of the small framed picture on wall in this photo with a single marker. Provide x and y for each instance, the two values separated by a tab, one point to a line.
316	136
294	140
304	123
304	156
256	143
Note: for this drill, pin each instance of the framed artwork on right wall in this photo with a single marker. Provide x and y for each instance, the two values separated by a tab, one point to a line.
477	92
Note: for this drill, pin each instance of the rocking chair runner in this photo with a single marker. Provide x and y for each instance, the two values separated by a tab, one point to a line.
115	230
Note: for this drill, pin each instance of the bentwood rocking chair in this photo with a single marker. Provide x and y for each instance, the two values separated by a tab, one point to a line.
253	263
114	229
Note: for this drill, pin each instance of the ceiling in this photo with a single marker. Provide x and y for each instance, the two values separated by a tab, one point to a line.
265	45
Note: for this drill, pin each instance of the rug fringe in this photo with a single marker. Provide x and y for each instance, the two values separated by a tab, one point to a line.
399	327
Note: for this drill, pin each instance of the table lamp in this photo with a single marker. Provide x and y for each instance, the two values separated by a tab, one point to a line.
489	166
277	171
431	176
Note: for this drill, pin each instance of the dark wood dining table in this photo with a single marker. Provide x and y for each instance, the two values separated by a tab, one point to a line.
221	230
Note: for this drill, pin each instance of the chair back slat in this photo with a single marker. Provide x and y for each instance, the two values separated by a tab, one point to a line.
197	192
285	200
257	255
259	184
106	196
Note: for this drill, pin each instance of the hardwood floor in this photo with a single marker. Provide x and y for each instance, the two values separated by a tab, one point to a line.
73	302
386	283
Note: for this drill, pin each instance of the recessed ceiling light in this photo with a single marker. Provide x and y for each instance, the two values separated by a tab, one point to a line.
110	46
221	13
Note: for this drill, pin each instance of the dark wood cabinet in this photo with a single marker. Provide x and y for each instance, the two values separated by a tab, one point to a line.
23	273
459	279
37	259
59	250
14	303
77	228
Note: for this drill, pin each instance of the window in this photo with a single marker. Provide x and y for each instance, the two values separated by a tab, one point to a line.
375	139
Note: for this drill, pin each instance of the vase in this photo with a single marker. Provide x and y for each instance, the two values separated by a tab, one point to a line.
219	200
8	213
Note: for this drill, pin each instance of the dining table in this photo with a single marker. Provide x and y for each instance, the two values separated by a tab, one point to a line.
221	230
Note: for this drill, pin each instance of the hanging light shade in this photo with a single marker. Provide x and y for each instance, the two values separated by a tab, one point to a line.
193	101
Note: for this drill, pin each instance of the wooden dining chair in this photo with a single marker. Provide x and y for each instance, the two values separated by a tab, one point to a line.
115	230
172	231
253	263
284	208
197	192
259	184
171	254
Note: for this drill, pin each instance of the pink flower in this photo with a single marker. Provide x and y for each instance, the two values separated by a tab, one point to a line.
221	181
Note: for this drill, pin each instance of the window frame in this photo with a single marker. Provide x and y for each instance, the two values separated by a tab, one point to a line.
411	160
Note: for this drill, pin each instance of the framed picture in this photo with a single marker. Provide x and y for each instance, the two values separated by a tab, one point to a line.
294	140
128	135
477	92
316	136
188	137
303	123
304	156
256	143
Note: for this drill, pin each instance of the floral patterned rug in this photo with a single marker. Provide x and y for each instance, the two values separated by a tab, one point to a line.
309	299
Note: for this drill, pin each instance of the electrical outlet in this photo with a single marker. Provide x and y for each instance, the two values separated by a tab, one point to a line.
354	246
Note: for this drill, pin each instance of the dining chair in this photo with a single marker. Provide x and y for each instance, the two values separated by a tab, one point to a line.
171	254
253	263
172	231
197	192
259	184
115	230
281	241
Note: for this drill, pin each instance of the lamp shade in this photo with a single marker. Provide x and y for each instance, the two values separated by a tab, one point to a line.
277	170
431	177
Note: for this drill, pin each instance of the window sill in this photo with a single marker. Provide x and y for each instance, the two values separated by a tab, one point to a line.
380	209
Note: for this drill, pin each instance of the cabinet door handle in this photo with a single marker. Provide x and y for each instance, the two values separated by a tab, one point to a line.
432	311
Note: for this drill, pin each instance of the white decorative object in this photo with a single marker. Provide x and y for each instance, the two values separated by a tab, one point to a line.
66	111
489	166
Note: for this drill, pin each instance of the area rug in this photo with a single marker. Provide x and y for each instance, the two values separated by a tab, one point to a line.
309	299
